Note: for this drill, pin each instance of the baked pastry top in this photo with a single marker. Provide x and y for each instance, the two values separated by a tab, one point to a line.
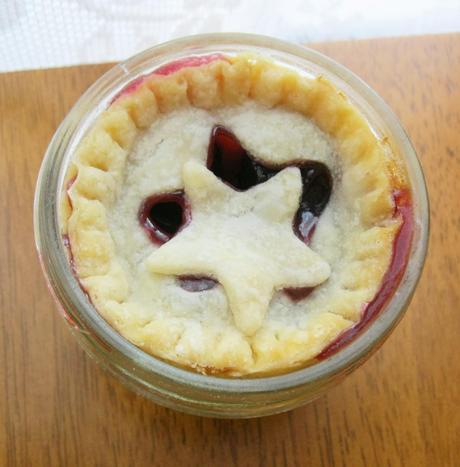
232	216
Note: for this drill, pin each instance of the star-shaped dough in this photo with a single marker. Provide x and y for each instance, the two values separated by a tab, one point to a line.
244	240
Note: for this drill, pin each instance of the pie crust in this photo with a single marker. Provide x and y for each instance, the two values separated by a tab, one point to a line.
133	286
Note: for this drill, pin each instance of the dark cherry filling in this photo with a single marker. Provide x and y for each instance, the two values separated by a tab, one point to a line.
298	293
196	283
229	161
163	215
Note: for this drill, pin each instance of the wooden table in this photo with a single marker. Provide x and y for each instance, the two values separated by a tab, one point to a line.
57	408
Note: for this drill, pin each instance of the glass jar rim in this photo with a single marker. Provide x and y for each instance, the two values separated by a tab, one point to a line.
65	286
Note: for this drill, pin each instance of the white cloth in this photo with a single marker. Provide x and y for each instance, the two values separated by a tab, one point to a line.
47	33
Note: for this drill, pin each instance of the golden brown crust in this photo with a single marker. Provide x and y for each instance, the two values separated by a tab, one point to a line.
371	172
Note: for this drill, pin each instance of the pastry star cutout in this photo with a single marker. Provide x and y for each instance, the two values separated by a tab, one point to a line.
244	240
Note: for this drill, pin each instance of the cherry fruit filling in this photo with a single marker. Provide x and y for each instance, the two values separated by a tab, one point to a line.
163	215
196	283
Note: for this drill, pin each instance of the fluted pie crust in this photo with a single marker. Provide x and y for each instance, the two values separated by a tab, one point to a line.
366	175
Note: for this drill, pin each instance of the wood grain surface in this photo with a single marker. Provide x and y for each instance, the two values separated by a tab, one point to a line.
402	408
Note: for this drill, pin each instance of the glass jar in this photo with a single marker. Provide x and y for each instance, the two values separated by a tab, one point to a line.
162	382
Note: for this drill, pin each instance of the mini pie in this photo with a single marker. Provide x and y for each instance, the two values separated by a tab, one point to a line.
232	216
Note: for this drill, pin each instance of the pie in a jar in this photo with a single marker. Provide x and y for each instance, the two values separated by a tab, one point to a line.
232	216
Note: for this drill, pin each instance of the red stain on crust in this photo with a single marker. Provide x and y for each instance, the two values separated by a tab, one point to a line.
187	62
391	279
67	317
168	69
